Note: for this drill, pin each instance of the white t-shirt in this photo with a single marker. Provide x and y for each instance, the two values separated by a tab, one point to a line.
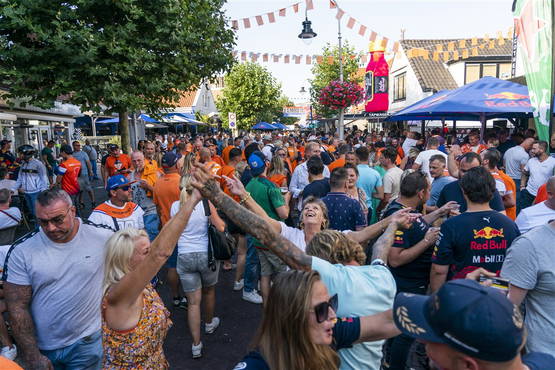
423	160
407	144
195	236
361	291
127	216
392	182
66	279
513	159
536	215
6	221
296	236
540	172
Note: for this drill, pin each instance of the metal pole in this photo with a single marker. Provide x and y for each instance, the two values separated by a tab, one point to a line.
551	103
340	49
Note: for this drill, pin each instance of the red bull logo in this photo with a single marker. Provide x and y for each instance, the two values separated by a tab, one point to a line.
488	233
515	100
507	95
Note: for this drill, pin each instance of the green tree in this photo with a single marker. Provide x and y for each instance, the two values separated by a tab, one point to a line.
252	93
283	102
111	56
326	72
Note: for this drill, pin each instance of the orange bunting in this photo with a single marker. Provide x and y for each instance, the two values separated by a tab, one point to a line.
474	52
451	46
271	17
247	23
436	56
465	54
462	44
319	59
308	59
396	46
351	23
259	20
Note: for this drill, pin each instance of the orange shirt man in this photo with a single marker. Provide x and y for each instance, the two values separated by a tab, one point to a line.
511	187
166	190
116	163
68	171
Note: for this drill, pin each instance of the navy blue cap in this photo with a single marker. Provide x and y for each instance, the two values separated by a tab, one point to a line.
169	159
257	163
471	318
116	181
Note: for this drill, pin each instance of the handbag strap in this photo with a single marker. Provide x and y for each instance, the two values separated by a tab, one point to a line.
10	216
211	259
116	225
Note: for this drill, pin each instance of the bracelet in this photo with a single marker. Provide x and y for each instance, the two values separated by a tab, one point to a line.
245	198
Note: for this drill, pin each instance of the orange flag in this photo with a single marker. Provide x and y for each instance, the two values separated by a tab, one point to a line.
247	23
271	17
259	20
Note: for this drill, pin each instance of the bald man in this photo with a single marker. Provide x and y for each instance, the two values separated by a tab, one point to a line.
539	214
205	156
144	178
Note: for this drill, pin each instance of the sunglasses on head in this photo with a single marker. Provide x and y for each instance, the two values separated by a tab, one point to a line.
322	309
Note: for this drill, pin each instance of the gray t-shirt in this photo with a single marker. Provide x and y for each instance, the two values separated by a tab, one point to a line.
140	197
82	157
530	264
437	186
91	152
66	280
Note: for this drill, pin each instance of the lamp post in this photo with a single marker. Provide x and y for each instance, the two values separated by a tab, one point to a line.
307	34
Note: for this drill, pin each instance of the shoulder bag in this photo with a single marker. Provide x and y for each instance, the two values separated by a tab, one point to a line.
220	243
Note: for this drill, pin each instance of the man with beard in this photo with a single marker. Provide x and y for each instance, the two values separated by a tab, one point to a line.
539	168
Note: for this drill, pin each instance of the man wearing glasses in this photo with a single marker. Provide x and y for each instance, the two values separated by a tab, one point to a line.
118	212
53	287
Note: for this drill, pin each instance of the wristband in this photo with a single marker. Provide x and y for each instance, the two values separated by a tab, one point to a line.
245	198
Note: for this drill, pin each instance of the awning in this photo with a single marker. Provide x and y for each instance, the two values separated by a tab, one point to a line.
41	117
7	117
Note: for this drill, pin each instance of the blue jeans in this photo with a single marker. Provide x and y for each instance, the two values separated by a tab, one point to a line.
30	199
93	168
152	222
86	353
252	267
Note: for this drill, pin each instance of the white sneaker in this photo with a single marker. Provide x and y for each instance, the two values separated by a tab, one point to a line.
209	328
9	352
238	285
197	350
252	297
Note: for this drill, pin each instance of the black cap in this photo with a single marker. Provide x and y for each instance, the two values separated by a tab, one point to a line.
66	149
4	142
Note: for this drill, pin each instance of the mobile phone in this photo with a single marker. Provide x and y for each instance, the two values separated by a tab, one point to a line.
496	282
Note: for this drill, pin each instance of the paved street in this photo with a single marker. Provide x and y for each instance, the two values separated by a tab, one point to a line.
224	348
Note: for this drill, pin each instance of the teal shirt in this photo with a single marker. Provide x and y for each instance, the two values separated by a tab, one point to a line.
267	195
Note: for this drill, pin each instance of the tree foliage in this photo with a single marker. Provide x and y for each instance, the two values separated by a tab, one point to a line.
106	55
327	71
252	93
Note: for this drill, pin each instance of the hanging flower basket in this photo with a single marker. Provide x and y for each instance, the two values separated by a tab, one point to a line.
340	95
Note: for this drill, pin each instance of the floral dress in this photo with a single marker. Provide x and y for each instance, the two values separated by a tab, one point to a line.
141	346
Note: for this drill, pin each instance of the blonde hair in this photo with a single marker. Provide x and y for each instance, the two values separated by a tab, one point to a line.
312	199
186	188
188	161
119	250
284	337
277	166
335	247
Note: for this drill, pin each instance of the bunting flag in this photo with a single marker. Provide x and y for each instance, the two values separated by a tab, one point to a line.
265	57
235	25
259	20
462	44
351	23
296	7
373	36
319	59
465	54
396	46
308	59
451	46
282	12
276	58
362	30
384	42
246	22
309	5
340	13
271	18
286	59
243	55
436	56
332	4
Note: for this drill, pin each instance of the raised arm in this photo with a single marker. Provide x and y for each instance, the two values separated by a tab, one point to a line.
374	230
18	299
247	220
377	327
128	289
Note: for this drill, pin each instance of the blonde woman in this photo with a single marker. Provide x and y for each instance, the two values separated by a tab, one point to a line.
185	163
278	173
134	319
198	280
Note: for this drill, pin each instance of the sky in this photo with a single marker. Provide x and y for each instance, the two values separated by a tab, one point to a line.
421	19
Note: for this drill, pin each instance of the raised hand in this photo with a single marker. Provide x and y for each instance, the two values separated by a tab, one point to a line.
235	186
205	181
403	218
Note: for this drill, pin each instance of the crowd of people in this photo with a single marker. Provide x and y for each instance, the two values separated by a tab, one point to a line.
386	250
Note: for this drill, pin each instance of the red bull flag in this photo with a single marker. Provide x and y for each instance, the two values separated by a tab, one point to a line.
533	27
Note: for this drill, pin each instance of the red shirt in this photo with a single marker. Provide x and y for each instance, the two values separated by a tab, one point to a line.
70	169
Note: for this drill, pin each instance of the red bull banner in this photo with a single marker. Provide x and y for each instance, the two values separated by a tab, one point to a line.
376	83
533	26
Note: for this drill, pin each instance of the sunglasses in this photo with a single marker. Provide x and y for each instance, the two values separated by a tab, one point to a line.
125	188
56	221
322	309
283	155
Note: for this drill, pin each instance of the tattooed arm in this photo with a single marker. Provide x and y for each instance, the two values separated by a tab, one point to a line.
383	244
18	298
247	220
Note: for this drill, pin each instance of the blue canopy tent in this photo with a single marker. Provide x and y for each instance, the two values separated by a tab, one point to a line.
264	126
279	126
484	99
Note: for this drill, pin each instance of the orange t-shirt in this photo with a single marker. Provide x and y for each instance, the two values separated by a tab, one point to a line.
229	172
166	191
542	194
225	153
6	364
70	169
278	179
511	186
466	148
218	160
115	164
336	164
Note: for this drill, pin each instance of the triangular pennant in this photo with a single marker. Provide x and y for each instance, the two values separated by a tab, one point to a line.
282	12
351	23
362	30
259	20
439	48
482	46
247	23
340	13
309	5
491	44
271	17
465	54
501	42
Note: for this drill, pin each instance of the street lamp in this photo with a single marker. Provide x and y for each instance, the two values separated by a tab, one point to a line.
306	35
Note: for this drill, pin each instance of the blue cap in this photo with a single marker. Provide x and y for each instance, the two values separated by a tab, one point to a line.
257	163
169	159
116	181
471	318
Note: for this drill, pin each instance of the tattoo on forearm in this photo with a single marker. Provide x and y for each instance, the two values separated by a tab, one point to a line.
257	227
384	243
18	298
